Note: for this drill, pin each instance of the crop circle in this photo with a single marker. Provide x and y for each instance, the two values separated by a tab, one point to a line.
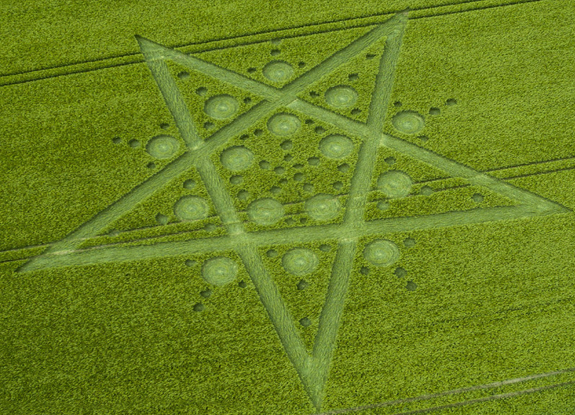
283	124
162	146
278	71
394	183
265	211
336	146
381	252
219	271
341	96
191	208
322	207
221	107
408	122
237	158
300	261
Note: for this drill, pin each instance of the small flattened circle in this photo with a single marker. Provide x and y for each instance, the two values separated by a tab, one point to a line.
161	219
162	146
341	96
237	158
381	252
243	195
426	191
306	322
278	71
394	183
191	208
221	107
283	124
336	146
382	205
400	272
265	211
409	242
219	271
189	184
300	261
322	207
344	168
408	122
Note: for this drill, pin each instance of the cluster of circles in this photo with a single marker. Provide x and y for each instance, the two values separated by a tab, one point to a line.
411	122
160	146
335	146
220	271
265	211
268	211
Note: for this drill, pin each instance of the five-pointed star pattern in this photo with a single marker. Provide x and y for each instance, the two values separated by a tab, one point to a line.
312	369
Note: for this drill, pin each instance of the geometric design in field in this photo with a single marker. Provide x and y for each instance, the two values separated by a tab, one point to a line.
228	118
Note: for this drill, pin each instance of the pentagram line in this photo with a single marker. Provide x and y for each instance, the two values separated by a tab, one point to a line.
427	156
173	98
330	316
332	310
46	245
117	209
54	248
267	290
459	170
191	232
98	255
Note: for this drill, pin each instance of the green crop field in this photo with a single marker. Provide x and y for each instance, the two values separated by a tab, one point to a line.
299	208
